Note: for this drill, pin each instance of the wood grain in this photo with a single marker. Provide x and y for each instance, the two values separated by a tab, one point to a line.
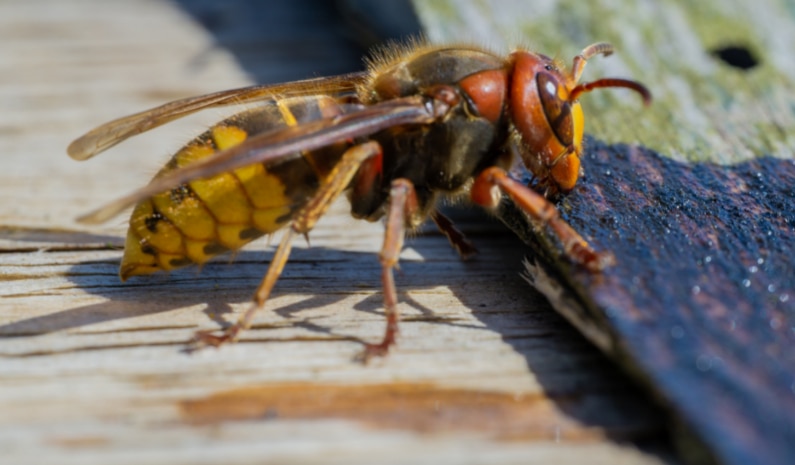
95	371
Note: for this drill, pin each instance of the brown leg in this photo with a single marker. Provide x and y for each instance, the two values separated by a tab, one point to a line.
535	205
402	205
302	223
231	333
460	243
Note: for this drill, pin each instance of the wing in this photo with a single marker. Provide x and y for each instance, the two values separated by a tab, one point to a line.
280	145
109	134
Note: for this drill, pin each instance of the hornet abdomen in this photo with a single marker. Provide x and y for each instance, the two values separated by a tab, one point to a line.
193	222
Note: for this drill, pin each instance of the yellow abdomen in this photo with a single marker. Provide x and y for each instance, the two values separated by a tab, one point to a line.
193	222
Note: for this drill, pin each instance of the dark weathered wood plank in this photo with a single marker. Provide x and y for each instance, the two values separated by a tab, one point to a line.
699	304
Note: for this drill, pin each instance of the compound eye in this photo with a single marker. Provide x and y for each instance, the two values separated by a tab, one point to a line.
557	110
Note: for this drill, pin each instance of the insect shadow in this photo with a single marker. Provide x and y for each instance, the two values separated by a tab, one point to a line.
217	286
324	276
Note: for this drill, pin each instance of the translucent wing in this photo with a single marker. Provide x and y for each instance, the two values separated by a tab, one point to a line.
280	145
110	134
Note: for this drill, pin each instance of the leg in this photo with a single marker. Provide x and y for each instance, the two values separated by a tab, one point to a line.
302	223
460	243
231	333
402	205
574	246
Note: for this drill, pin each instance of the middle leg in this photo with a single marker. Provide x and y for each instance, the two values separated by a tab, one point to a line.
402	206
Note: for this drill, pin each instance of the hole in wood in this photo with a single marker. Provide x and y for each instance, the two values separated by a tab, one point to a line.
737	56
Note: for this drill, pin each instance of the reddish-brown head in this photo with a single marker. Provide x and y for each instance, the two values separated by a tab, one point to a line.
545	110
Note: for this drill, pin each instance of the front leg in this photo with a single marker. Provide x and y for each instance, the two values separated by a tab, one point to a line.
487	189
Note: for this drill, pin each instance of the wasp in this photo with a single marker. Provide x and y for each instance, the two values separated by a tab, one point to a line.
422	125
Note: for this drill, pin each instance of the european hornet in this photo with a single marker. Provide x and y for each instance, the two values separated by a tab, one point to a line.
423	124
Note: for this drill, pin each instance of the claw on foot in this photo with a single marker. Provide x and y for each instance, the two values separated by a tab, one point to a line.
601	261
592	260
372	351
209	338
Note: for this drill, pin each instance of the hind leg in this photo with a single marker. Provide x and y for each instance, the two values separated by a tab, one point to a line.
458	240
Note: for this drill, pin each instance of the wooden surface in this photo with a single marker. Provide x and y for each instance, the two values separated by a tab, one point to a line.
693	197
93	371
